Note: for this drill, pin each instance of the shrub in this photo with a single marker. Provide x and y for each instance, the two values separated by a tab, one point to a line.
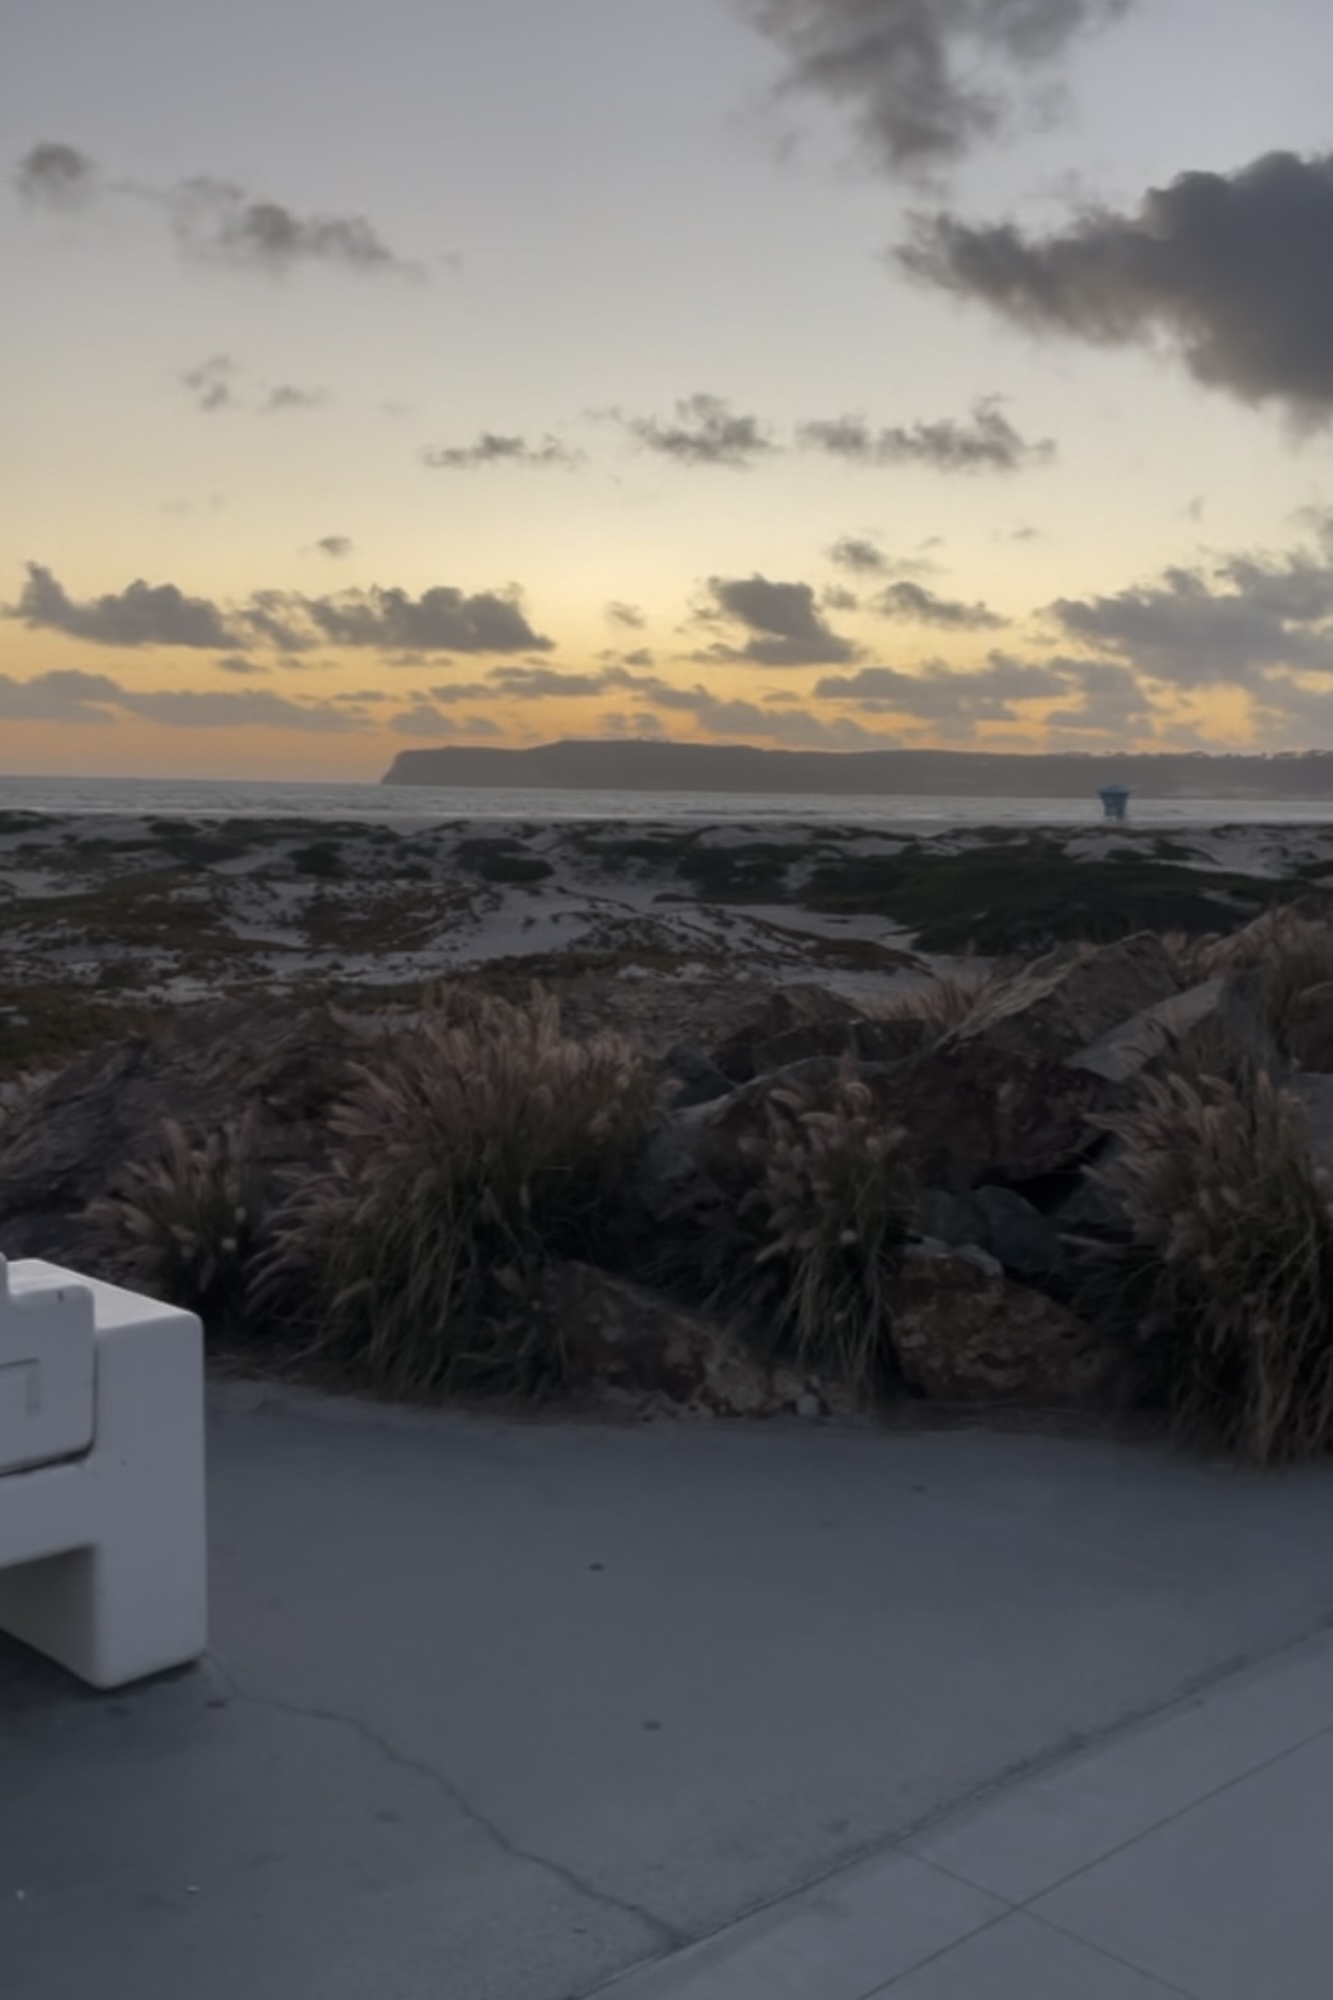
1226	1284
484	1142
186	1225
808	1253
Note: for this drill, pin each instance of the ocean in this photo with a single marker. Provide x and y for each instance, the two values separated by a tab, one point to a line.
224	799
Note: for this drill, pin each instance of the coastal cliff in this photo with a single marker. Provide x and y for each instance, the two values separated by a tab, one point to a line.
713	767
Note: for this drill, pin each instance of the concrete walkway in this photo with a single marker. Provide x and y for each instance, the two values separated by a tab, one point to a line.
522	1712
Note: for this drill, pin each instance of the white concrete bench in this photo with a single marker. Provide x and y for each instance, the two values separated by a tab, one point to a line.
102	1548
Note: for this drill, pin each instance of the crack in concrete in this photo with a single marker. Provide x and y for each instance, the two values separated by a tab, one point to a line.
665	1934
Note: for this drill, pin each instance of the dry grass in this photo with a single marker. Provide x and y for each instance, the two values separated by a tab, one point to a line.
185	1226
482	1143
808	1254
949	999
1288	950
1226	1285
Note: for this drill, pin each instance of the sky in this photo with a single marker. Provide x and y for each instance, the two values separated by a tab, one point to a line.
835	374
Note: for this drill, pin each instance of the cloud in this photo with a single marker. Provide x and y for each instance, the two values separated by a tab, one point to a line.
910	71
1233	270
53	175
240	666
1237	624
142	614
216	219
863	557
212	383
985	442
621	613
706	431
786	628
69	696
64	695
288	396
424	720
939	693
911	601
442	620
492	448
334	546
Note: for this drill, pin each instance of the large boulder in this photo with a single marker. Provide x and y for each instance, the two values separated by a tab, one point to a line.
1221	1017
631	1347
966	1333
1061	1003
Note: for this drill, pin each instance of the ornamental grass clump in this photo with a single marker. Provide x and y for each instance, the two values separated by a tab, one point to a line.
1225	1286
483	1143
187	1224
1288	953
808	1252
948	999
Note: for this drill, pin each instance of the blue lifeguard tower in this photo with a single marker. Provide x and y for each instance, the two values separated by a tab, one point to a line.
1115	800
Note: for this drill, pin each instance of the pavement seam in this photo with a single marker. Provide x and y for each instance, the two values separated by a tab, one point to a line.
1167	1819
1065	1752
1099	1951
667	1936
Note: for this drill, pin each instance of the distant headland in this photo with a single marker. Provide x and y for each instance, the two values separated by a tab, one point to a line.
647	766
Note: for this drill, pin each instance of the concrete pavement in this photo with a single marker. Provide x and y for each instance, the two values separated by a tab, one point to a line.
504	1711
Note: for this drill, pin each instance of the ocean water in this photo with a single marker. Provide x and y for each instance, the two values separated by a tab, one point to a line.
210	798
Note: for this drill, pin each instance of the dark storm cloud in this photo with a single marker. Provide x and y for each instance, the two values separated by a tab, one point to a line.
924	80
494	448
1248	617
913	602
985	441
706	431
53	175
783	619
1235	270
142	614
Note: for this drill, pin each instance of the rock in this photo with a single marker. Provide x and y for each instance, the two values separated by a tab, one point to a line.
693	1076
1066	1001
1309	1029
1000	1222
786	1011
64	1143
996	1100
966	1333
1226	1010
630	1346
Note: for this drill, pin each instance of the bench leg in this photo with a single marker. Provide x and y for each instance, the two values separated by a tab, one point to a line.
133	1600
